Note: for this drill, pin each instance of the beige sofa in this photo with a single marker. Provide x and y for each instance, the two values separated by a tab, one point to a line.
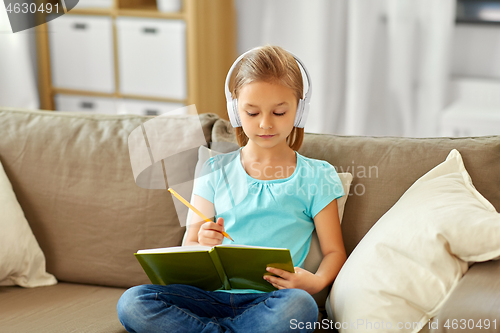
72	176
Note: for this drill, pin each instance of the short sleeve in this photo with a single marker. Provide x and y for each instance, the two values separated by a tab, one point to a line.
205	181
328	187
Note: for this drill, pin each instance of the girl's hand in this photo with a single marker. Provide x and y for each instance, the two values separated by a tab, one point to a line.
301	279
210	233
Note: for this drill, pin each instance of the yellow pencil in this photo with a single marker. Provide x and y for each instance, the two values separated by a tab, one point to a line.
200	214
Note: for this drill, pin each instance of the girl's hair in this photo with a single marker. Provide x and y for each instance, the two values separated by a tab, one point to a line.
274	65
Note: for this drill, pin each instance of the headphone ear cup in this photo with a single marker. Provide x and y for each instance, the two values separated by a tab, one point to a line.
233	116
305	112
236	113
300	112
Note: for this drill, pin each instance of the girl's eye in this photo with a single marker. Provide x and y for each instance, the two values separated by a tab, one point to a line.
276	114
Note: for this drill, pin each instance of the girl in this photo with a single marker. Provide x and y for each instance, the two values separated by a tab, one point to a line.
281	209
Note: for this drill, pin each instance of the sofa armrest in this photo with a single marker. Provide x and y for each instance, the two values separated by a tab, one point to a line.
475	299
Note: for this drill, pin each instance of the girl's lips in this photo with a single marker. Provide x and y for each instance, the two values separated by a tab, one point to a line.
266	136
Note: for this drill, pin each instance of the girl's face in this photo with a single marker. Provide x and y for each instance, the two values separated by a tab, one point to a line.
267	112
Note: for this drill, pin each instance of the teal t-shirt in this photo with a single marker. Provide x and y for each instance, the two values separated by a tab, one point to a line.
274	213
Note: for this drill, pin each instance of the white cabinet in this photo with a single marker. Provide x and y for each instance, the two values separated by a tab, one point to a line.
91	104
81	53
166	51
149	108
152	57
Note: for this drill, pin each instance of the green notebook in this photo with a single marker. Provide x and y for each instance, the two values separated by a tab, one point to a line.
214	268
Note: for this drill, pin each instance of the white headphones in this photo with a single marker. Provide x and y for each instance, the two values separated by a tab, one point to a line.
302	107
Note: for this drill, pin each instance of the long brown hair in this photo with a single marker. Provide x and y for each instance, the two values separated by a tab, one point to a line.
269	64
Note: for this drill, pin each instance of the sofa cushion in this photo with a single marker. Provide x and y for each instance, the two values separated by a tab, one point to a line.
474	302
21	260
407	265
383	168
72	175
62	308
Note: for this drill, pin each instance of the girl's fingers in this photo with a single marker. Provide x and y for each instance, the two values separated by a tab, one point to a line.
284	274
213	234
210	237
212	226
209	242
274	281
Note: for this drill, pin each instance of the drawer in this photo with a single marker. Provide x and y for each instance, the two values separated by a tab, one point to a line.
81	53
152	57
149	108
85	104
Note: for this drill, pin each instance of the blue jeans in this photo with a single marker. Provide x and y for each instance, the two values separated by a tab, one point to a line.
182	308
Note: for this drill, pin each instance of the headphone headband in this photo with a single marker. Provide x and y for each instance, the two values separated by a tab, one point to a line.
302	106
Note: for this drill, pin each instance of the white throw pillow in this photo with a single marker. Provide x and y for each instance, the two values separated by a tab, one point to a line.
406	266
21	260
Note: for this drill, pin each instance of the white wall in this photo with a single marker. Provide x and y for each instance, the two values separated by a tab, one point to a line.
476	51
18	71
475	105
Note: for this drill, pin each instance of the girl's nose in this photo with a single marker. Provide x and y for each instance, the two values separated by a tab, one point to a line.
265	127
265	123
